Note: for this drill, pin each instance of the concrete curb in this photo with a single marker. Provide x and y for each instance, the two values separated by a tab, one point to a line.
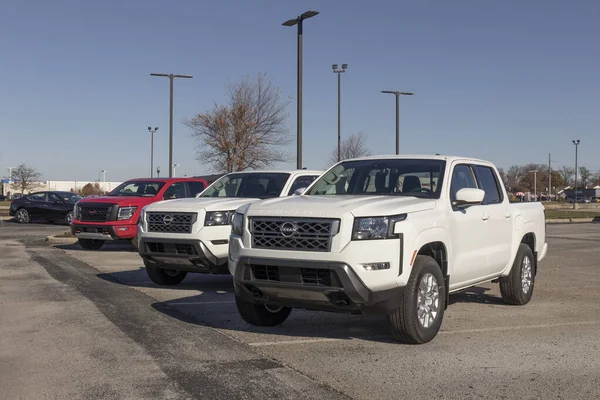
60	240
572	220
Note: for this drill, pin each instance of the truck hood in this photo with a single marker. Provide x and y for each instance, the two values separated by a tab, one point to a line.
123	201
194	204
338	206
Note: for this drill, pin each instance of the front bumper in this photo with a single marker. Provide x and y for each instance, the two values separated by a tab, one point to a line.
312	285
190	255
103	231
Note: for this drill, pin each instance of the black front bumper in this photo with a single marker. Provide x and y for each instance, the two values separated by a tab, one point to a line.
181	254
292	283
96	232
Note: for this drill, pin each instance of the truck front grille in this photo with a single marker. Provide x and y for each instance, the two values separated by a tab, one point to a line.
93	213
170	222
301	234
304	276
171	248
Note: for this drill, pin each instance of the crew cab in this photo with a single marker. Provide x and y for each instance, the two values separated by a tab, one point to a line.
115	216
192	235
389	235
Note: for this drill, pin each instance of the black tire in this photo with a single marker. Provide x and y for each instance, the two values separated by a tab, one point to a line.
23	216
134	243
165	277
69	218
91	244
405	325
260	314
513	288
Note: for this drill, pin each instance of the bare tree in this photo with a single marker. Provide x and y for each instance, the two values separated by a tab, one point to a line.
567	173
26	178
513	177
352	147
245	133
585	176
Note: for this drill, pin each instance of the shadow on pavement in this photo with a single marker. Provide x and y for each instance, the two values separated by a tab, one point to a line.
116	245
475	294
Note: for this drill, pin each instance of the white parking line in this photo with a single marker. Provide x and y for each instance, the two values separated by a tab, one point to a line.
510	328
192	303
300	341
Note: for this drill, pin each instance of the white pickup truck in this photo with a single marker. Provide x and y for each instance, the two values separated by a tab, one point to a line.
192	235
391	235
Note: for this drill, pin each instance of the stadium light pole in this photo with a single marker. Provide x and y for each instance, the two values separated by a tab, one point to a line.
339	73
298	21
398	94
171	78
175	166
152	149
576	143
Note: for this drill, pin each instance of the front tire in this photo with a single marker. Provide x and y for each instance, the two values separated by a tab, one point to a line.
91	244
517	287
69	218
261	314
165	277
23	216
421	311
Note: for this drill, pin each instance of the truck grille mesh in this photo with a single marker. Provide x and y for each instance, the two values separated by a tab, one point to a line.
293	234
170	222
94	213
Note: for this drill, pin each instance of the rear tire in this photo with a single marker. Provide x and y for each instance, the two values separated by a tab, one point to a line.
261	314
91	244
165	277
23	216
421	311
517	287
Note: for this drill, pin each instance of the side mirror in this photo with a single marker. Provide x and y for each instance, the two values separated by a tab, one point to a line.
299	191
468	197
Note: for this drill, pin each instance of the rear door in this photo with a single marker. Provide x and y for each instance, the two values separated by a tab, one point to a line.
175	190
500	221
194	188
300	181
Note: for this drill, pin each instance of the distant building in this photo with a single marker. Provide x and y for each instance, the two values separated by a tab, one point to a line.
63	186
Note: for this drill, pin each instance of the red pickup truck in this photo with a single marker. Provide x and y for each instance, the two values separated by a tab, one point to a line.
115	216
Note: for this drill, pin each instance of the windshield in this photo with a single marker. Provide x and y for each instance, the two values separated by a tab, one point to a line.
251	185
69	197
392	177
137	188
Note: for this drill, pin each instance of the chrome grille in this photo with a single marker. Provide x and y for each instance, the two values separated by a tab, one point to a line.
170	222
93	213
303	234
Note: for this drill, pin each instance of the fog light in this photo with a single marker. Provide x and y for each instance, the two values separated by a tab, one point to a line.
376	266
123	229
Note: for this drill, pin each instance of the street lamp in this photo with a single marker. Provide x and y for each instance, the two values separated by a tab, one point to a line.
103	175
398	94
152	149
171	77
10	173
576	143
158	172
298	21
175	166
534	183
339	73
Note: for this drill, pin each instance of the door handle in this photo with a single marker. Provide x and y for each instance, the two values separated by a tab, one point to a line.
507	215
485	217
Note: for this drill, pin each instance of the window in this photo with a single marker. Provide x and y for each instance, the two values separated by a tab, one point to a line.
54	198
69	197
302	182
195	188
175	191
393	177
250	185
37	197
138	189
462	178
489	184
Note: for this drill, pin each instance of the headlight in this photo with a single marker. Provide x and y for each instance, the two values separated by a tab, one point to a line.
214	218
375	227
237	224
126	212
75	211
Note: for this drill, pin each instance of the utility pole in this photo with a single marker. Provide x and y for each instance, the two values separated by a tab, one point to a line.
103	175
339	73
576	143
174	166
534	183
171	77
549	178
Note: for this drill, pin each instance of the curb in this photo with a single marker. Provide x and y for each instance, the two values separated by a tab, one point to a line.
60	240
572	220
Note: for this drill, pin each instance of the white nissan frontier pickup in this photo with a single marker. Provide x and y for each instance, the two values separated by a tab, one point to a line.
390	235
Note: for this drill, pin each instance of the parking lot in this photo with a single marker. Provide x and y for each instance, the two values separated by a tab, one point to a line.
90	324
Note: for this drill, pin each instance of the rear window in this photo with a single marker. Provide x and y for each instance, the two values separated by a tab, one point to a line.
137	188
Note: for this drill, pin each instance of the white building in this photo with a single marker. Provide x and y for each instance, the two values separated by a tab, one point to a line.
63	186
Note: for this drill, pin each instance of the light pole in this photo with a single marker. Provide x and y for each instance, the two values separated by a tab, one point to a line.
152	149
339	73
171	77
175	166
534	184
10	173
298	21
576	143
398	94
158	172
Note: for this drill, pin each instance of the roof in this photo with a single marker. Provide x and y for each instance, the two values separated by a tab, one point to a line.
290	171
419	156
164	179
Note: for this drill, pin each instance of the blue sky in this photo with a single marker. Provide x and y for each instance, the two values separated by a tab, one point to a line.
509	81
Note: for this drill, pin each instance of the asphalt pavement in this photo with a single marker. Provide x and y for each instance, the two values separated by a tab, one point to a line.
114	334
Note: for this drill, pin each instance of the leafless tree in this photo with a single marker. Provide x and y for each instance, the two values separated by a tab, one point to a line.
352	147
247	132
513	177
567	173
26	178
585	176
